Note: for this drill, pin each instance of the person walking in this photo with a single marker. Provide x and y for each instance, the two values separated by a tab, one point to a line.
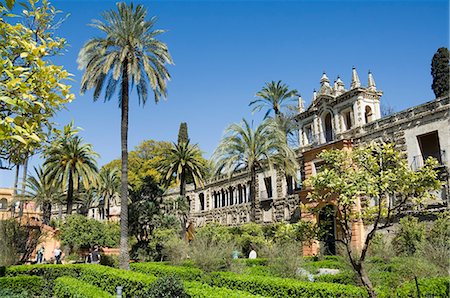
95	256
40	255
57	253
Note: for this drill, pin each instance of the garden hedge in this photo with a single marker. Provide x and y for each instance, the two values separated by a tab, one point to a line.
284	287
134	284
200	290
438	287
69	287
33	285
158	269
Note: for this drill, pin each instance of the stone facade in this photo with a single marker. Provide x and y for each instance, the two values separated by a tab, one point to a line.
336	118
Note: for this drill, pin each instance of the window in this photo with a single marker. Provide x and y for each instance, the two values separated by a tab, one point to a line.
3	203
348	119
368	114
268	184
201	198
309	134
328	127
230	190
290	185
429	146
318	166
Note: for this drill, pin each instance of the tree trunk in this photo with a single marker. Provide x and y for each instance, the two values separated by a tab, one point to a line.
365	281
108	205
46	212
185	217
253	194
16	184
69	202
24	182
60	211
124	258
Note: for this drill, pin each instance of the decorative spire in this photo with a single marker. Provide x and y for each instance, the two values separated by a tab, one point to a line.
301	104
355	79
371	82
325	87
314	94
339	86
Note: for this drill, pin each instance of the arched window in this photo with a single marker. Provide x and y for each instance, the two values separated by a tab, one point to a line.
368	114
3	203
327	224
328	127
201	198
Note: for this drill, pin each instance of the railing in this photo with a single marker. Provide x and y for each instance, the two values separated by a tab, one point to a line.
419	160
315	139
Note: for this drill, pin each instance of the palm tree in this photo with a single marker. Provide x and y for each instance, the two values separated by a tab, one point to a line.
274	96
108	188
129	52
183	160
242	147
69	163
43	192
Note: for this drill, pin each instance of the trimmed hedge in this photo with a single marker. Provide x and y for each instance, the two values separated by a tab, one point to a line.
344	277
429	287
284	287
254	262
33	285
159	269
200	290
107	278
69	287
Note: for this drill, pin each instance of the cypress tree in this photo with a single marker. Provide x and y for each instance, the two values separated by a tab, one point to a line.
440	72
183	133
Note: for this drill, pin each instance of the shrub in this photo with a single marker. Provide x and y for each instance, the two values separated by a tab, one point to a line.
255	262
284	287
109	260
410	238
83	232
346	277
106	278
69	287
431	287
160	269
381	247
210	254
168	286
201	290
176	250
8	293
285	259
25	285
437	248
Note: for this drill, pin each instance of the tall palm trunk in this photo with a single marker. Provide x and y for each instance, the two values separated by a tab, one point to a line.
184	218
24	180
46	212
124	256
16	184
70	195
108	205
253	193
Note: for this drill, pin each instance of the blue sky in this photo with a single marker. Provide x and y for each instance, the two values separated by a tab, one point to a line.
224	52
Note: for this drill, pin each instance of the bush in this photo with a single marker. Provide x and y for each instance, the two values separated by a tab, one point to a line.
168	286
284	287
285	259
399	271
68	287
8	293
106	278
210	254
410	238
344	277
437	248
109	260
431	287
83	232
160	269
381	247
176	250
22	285
201	290
255	262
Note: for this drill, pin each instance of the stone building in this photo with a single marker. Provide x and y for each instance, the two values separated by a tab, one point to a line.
336	118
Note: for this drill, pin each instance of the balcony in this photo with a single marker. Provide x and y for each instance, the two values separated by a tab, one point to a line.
264	196
419	160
